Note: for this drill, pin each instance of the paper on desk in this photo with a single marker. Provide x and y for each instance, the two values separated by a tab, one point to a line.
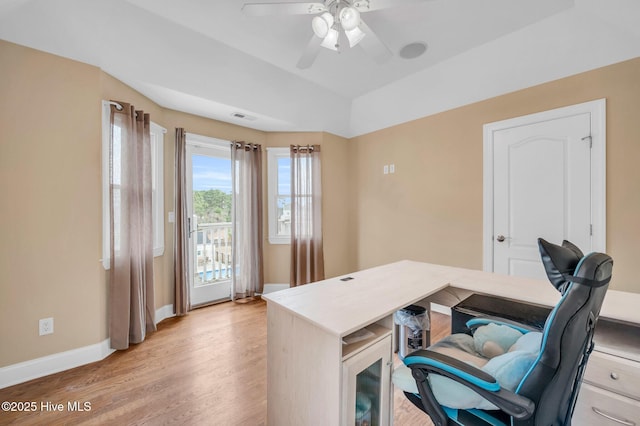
357	336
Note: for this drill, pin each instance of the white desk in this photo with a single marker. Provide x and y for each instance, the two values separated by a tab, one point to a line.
306	324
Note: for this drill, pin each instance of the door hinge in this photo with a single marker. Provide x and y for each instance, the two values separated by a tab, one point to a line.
591	230
590	140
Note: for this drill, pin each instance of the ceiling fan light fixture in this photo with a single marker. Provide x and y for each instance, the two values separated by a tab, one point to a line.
349	18
354	36
322	24
331	40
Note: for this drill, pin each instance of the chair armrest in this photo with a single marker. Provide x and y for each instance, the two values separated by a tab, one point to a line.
474	323
429	359
484	384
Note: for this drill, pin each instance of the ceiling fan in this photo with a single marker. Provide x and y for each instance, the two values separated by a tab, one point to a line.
333	19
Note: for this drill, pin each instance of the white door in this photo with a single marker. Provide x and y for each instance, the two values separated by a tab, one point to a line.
209	219
542	186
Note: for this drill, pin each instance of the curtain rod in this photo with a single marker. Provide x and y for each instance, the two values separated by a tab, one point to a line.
307	148
240	144
115	104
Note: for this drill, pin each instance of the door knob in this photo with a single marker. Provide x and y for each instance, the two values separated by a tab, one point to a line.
500	238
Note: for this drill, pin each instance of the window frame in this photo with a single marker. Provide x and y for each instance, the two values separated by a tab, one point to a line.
273	155
157	178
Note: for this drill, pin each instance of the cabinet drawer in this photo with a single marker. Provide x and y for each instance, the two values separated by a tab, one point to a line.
616	374
598	407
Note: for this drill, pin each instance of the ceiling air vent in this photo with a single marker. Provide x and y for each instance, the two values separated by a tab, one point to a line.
243	116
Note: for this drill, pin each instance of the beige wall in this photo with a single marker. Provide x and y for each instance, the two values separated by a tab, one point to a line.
338	257
50	174
50	186
431	208
335	199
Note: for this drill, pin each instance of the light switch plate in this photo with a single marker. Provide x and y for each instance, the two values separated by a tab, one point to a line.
45	326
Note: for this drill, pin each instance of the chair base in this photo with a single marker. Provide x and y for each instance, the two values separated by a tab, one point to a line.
467	417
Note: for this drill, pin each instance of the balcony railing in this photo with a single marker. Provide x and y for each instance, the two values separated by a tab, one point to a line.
212	252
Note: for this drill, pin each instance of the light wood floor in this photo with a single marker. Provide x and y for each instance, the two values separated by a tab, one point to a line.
208	368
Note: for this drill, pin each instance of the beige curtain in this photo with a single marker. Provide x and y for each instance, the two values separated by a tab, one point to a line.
132	307
181	227
307	259
246	163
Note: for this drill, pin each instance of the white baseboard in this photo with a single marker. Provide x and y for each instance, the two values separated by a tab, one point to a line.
440	309
270	288
164	312
50	364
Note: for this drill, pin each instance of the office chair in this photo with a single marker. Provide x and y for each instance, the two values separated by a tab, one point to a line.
524	377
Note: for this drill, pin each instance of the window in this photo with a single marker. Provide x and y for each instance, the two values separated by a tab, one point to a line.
279	192
157	185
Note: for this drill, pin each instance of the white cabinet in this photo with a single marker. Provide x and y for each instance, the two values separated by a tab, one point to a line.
313	379
610	392
614	373
366	380
597	406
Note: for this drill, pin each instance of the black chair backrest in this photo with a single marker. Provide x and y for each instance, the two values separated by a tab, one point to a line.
553	381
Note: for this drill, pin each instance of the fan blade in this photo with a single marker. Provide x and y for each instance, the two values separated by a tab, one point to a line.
303	8
373	46
369	5
310	53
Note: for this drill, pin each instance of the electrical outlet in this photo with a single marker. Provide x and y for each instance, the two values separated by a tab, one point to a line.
392	168
385	169
46	326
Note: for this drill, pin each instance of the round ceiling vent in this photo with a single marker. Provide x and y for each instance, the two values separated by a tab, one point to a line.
413	50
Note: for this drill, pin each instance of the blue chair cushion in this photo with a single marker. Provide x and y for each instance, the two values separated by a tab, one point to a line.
507	368
492	339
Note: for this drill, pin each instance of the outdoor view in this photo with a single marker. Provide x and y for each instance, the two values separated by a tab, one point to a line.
284	197
212	222
212	218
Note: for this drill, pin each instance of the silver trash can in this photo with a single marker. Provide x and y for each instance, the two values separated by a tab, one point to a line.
413	322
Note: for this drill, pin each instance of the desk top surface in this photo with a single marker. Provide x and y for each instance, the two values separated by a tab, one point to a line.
341	307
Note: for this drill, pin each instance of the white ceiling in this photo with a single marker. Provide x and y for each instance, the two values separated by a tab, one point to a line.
207	58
